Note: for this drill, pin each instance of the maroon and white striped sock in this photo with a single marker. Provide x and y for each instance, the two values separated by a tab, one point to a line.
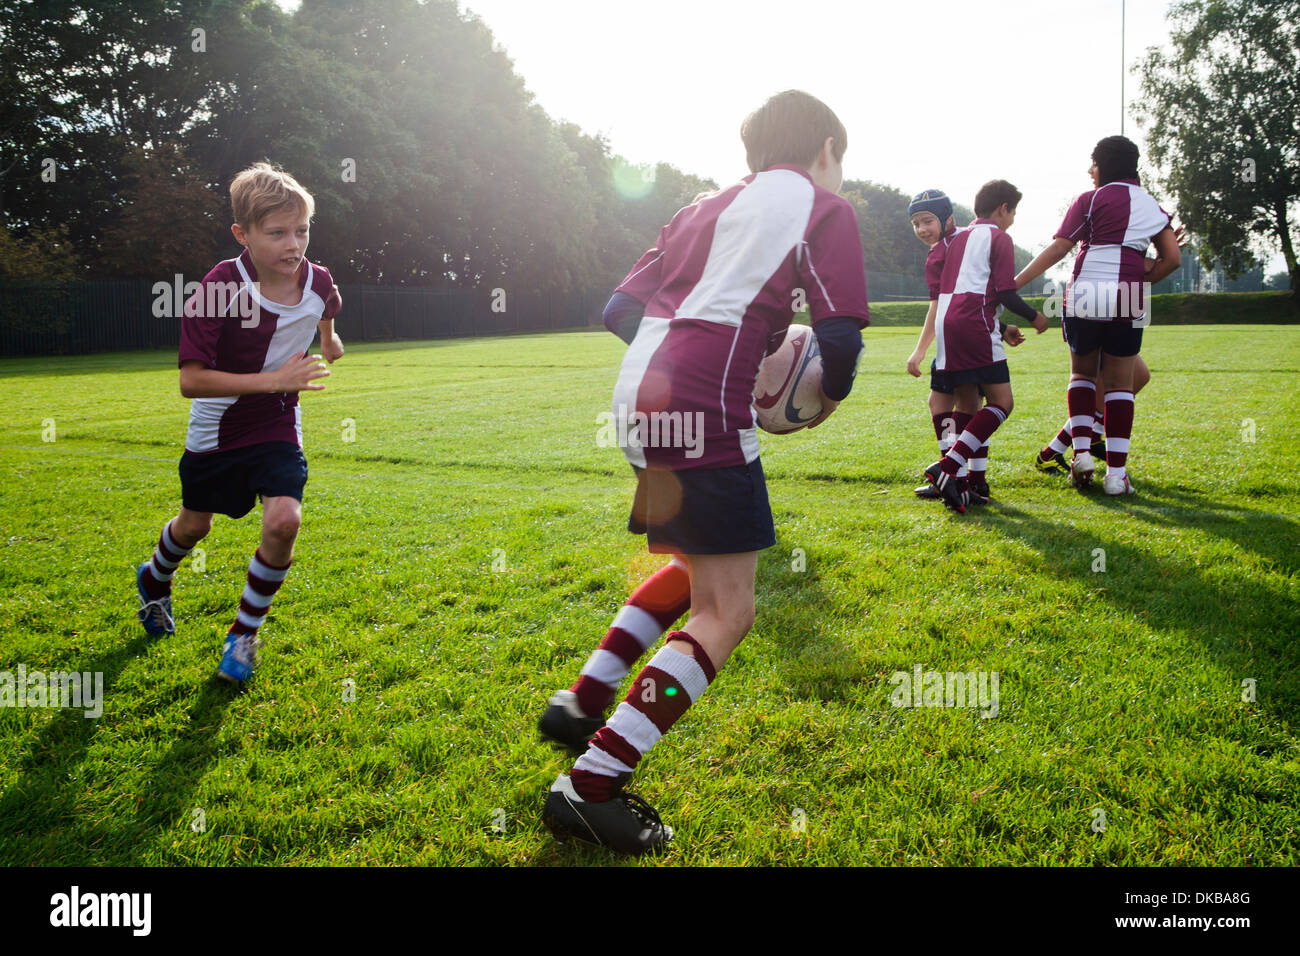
961	421
975	437
945	430
979	464
651	610
1058	445
157	577
264	579
1081	399
661	693
1119	428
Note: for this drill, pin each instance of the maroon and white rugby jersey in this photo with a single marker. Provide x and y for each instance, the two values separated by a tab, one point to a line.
720	287
965	273
230	327
1115	223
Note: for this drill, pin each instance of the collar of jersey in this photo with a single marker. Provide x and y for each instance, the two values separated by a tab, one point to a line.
793	167
251	269
304	269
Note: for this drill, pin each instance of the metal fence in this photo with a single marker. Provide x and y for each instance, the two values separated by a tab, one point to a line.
72	318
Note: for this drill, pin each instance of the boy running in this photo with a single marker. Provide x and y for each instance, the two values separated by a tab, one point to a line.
243	359
969	276
1105	307
932	220
700	310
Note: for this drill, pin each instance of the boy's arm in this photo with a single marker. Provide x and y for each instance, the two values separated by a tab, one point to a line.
295	375
923	343
1044	261
622	315
1169	257
331	346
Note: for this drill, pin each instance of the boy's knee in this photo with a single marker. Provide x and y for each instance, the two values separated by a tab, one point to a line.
192	528
284	525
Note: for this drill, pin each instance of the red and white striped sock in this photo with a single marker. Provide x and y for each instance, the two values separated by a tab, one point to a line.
979	464
661	693
1098	428
1081	399
1119	428
1058	445
264	580
945	430
650	611
975	437
961	421
157	577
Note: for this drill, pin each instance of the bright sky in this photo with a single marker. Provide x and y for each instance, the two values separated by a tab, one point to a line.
939	94
946	93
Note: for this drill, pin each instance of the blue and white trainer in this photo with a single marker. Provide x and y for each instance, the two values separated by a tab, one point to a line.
155	613
238	658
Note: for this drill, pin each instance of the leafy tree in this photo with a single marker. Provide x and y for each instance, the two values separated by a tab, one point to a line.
96	80
44	254
1221	116
168	222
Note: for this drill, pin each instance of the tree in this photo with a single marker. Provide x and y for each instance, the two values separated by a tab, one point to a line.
168	222
1221	112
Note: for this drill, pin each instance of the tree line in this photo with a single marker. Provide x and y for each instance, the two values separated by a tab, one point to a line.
431	164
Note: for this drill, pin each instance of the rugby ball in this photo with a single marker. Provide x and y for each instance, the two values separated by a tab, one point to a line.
788	390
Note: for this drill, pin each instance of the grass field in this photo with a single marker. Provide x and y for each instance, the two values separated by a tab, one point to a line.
1120	691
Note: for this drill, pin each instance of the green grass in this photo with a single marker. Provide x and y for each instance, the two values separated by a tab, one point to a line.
1119	691
1175	308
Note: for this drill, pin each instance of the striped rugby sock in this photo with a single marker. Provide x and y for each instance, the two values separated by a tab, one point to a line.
961	420
1058	445
979	465
975	437
1119	428
659	696
650	611
157	577
944	430
264	580
1081	399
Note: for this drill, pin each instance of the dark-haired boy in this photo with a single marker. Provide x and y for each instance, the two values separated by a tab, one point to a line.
969	276
931	215
700	310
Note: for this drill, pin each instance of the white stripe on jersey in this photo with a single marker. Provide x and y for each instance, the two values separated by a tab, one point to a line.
649	336
940	354
296	325
205	422
975	266
294	330
750	241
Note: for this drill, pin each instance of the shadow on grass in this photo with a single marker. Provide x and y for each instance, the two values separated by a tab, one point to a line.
44	797
790	606
177	775
1272	536
1243	619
